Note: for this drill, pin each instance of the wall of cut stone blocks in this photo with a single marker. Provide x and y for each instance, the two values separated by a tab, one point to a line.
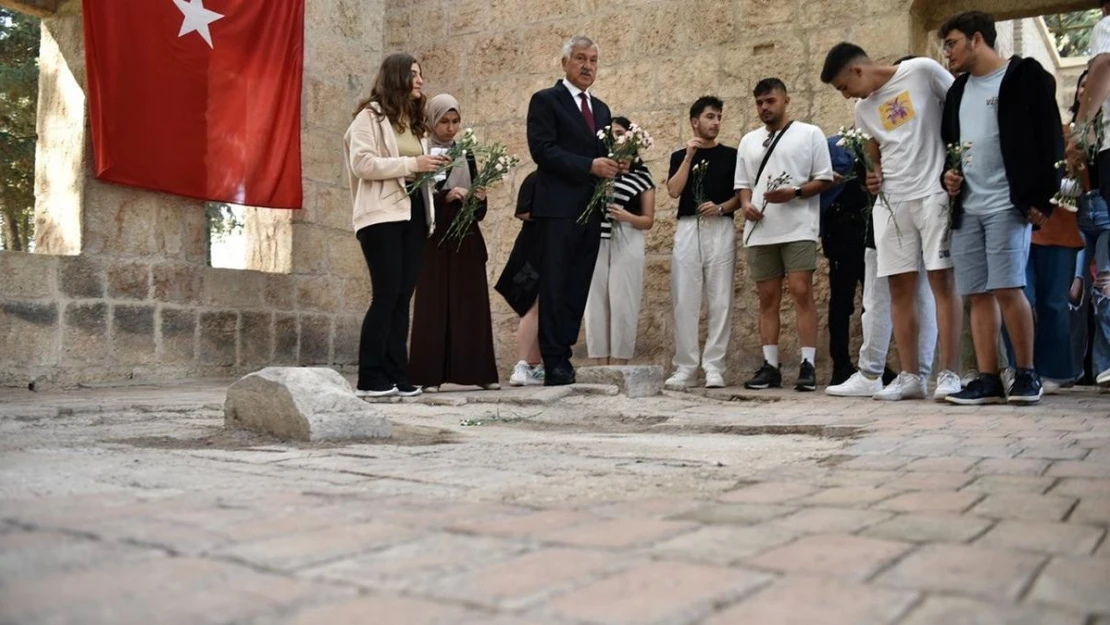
128	293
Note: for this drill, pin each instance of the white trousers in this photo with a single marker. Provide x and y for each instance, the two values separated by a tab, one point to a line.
703	263
613	307
877	323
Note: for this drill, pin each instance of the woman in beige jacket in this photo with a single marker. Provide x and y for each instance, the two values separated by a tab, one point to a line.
385	146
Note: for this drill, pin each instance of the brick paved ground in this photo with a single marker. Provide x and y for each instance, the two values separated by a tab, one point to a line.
130	505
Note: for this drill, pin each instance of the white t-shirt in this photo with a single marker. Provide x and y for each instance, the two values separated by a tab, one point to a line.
803	153
904	117
1100	44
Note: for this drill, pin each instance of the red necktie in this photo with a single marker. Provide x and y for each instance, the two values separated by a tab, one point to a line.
586	111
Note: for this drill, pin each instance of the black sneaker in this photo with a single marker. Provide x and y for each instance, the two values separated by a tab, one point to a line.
1027	388
984	389
807	378
841	374
766	377
408	390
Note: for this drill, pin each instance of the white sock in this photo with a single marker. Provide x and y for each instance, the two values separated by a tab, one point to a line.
771	354
810	354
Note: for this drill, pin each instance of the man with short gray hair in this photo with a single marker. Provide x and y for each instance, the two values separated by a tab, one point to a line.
563	121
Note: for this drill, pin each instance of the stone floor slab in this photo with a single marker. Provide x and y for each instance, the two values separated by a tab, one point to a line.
931	502
965	570
922	528
1024	507
848	557
962	611
1051	538
1075	583
810	600
724	544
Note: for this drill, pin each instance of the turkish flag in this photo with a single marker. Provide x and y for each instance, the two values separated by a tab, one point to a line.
200	98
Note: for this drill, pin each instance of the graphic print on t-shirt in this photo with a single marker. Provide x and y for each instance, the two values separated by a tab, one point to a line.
897	111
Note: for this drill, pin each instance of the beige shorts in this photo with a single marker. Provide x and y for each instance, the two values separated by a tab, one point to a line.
767	262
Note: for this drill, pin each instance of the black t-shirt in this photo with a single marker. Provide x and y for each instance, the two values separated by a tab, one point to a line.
718	180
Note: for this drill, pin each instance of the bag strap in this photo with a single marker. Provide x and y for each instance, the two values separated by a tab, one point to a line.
767	156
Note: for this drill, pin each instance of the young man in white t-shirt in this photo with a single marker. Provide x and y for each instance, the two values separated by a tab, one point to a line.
1096	98
781	171
901	109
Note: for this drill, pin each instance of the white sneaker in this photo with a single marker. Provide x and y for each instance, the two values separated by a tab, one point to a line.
969	377
390	392
1050	387
431	389
714	379
491	387
526	375
859	385
679	381
905	386
948	383
1007	375
1103	378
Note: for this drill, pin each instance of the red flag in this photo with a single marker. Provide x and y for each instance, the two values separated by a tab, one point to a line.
200	98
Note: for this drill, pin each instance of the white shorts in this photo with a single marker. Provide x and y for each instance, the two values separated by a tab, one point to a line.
916	231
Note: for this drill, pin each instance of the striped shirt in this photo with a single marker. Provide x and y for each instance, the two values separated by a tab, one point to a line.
627	189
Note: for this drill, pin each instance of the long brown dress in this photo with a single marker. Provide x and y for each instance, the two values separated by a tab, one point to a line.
452	330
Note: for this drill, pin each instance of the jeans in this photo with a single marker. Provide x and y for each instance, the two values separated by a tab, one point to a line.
1048	277
1094	225
392	251
844	275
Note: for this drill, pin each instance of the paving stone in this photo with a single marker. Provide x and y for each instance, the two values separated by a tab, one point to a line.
632	380
409	564
307	548
921	480
652	507
1010	484
657	592
1053	538
526	579
734	513
826	601
849	496
1056	452
963	569
769	492
920	528
1025	507
1010	466
850	557
30	554
1079	468
963	611
724	544
1093	510
1082	487
878	463
831	520
930	501
942	465
616	533
840	477
536	523
386	610
1075	583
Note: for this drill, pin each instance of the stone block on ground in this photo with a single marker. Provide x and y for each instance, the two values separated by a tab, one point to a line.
632	380
308	404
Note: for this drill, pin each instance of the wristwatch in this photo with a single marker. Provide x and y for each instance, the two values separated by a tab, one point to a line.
797	192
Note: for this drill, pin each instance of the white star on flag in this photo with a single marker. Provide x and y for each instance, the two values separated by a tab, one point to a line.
197	18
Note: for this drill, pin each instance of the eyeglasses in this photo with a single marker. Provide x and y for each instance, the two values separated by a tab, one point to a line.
769	139
951	43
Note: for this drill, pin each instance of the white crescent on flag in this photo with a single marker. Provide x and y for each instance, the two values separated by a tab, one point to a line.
197	19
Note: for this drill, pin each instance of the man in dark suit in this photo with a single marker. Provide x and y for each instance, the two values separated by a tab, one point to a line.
563	122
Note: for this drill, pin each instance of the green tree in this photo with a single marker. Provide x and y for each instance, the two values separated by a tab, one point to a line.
19	89
1072	31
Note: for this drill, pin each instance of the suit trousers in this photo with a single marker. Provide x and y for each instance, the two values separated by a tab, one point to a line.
703	263
877	324
613	308
569	255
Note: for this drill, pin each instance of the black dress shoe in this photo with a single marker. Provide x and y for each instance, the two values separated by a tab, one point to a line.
558	377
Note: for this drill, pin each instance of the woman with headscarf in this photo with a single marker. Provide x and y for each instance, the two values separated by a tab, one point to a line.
613	307
452	332
385	149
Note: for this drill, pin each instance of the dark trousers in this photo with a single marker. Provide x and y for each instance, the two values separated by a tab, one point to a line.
1048	276
392	251
844	275
569	254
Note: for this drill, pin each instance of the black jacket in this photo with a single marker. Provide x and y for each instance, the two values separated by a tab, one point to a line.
1030	133
564	148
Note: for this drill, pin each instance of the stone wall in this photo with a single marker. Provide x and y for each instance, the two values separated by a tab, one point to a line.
128	294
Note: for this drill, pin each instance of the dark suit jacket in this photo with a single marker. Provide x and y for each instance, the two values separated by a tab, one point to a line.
563	147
